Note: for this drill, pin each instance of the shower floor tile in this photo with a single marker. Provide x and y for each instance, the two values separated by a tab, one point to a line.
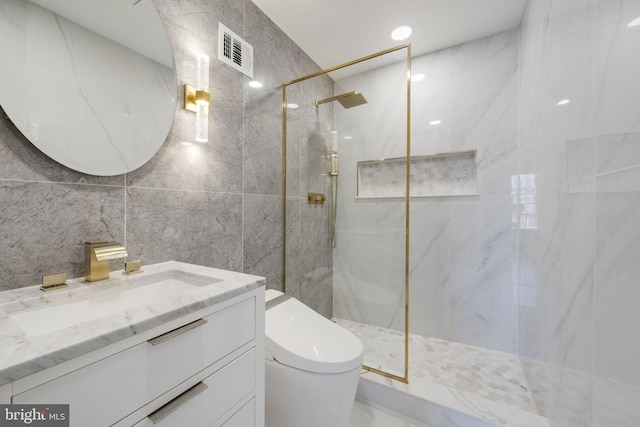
490	374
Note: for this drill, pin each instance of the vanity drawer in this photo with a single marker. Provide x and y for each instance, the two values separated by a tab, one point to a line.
244	417
210	399
108	390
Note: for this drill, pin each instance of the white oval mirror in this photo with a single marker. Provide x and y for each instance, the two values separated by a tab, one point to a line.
91	83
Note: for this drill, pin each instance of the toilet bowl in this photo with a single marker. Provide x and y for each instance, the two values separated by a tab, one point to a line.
312	366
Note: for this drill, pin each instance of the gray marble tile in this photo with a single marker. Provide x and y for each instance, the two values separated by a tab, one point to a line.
42	225
262	238
316	261
182	163
195	227
21	160
263	142
204	14
293	255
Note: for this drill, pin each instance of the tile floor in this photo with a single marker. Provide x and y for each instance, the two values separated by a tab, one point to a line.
490	374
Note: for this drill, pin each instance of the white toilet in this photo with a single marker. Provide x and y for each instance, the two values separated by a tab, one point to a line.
312	366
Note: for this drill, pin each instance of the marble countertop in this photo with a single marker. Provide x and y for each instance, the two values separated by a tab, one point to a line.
23	352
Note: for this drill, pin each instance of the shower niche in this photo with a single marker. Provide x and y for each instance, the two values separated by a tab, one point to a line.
436	175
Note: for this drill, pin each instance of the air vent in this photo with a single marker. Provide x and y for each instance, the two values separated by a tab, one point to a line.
234	51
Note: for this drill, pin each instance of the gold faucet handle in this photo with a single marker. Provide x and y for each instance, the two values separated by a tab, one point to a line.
132	267
54	281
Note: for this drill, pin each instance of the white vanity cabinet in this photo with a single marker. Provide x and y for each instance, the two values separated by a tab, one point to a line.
5	394
204	369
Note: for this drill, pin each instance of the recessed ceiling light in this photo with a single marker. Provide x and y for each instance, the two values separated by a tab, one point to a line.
348	137
417	77
634	23
255	83
564	102
435	122
292	106
402	32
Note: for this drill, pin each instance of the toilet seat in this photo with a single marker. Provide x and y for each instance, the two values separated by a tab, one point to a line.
297	336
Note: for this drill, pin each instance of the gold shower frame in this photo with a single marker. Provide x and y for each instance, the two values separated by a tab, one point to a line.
405	377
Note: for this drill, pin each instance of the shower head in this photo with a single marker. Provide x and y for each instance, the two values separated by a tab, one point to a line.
347	100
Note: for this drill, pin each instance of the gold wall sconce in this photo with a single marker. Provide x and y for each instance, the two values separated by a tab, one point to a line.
196	99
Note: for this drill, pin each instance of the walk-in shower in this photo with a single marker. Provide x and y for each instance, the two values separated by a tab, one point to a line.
348	257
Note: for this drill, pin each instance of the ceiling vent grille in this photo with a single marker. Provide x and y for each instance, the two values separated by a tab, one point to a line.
234	51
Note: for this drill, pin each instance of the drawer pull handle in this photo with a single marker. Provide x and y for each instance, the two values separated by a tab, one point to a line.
170	407
181	330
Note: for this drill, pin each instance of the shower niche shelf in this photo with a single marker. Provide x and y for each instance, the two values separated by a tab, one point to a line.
436	175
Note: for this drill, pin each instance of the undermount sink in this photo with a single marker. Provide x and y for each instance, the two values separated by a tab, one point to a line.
66	308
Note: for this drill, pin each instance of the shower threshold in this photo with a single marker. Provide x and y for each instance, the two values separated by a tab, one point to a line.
450	384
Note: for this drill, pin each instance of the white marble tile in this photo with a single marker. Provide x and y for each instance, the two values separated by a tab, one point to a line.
431	101
615	403
616	84
483	273
484	97
556	63
616	340
367	414
556	297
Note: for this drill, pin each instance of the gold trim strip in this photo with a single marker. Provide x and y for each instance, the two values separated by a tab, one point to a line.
179	331
346	64
284	188
386	374
407	201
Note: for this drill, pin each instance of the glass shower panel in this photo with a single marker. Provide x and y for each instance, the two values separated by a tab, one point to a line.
346	254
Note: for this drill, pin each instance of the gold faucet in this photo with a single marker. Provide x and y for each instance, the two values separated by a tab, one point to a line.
97	256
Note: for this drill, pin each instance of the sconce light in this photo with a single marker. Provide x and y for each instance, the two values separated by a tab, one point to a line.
196	99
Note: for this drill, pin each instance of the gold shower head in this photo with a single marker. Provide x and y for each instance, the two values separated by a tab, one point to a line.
347	100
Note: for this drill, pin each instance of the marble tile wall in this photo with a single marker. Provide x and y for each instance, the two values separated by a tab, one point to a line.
217	204
309	260
463	258
577	281
369	259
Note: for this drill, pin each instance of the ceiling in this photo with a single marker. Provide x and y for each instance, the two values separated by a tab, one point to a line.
333	32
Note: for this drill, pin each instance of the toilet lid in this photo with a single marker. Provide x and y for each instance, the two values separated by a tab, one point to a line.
299	337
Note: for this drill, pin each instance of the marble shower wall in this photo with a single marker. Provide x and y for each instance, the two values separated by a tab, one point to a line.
369	258
463	258
309	261
580	200
217	204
